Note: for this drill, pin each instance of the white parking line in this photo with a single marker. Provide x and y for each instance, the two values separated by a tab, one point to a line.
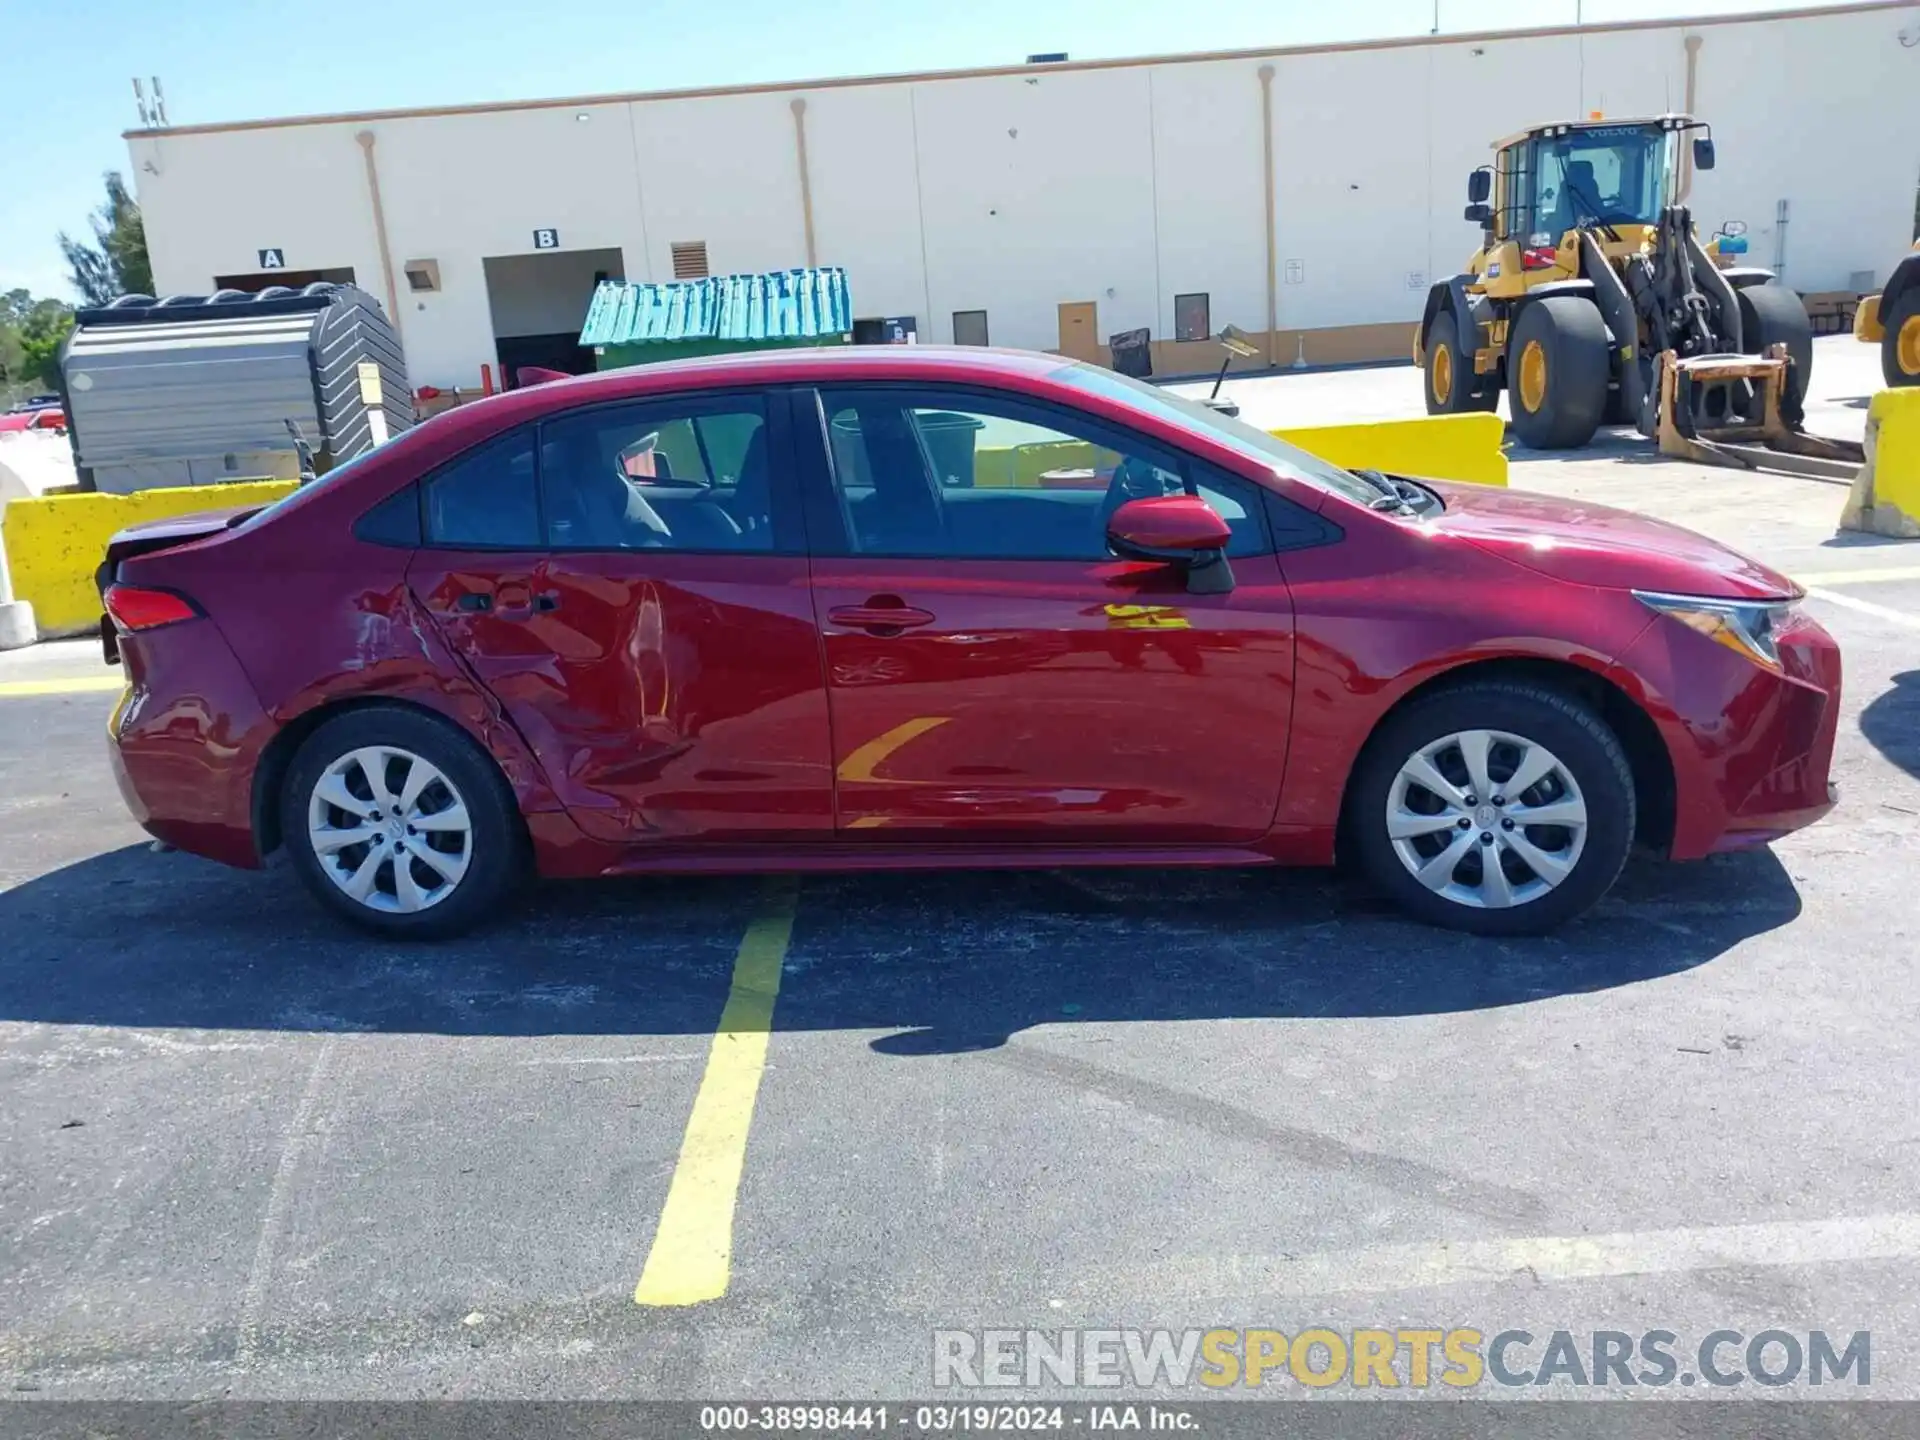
1876	575
1388	1268
1865	607
253	1299
616	1060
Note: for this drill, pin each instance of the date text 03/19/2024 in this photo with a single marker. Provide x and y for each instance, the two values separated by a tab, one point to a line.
943	1419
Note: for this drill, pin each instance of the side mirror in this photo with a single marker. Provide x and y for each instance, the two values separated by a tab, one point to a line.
1479	185
1703	153
1480	214
1176	530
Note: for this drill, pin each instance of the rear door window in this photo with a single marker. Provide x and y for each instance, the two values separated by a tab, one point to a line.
687	474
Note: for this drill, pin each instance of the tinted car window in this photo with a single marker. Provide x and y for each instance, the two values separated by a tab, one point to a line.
658	476
394	521
978	479
486	500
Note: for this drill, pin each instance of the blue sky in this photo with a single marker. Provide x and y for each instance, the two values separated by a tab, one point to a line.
66	65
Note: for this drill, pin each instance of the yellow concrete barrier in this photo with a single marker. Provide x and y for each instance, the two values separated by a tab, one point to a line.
1440	447
1885	499
55	542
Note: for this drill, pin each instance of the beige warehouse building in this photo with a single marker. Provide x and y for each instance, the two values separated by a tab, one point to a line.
1307	195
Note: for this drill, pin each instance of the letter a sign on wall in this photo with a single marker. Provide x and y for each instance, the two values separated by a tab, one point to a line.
273	259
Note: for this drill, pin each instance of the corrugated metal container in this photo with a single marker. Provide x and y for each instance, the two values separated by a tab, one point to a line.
193	390
632	324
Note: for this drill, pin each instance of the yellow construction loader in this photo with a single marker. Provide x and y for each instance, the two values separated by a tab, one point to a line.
1592	301
1891	320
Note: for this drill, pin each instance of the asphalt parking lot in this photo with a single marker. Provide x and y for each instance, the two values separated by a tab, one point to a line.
244	1152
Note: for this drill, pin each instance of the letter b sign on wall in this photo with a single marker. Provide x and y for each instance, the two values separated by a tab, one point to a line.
546	239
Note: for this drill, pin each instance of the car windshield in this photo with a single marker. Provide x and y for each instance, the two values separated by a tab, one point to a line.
1607	174
1248	440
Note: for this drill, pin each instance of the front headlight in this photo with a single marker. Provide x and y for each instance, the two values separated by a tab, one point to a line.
1745	626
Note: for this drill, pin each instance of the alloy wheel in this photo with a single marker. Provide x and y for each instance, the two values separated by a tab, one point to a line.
1486	819
389	829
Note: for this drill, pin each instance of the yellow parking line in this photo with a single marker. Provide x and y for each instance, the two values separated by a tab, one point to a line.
1860	577
74	685
692	1254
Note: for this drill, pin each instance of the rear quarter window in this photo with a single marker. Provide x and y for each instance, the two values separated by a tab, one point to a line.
394	521
486	500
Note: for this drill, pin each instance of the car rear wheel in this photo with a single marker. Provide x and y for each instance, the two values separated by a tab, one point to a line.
401	825
1499	808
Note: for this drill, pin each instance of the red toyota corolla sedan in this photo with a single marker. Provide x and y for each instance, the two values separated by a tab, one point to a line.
888	608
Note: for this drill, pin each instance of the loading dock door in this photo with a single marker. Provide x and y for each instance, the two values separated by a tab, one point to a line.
292	279
539	302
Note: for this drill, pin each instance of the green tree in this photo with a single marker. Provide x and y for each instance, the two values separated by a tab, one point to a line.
40	341
116	263
30	334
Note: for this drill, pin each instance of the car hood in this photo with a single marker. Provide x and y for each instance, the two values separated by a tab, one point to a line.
1589	544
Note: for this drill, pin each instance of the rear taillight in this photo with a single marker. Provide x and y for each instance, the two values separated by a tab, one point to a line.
134	607
1539	259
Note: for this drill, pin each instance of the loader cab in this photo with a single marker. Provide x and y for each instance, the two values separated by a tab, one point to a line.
1555	178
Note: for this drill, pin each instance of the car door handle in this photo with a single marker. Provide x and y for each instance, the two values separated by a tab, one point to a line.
880	619
519	605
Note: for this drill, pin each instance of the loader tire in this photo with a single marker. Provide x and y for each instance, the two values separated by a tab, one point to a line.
1772	314
1452	387
1557	372
1900	347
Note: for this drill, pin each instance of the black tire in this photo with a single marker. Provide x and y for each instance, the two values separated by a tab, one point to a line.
1771	314
1447	376
1586	750
1900	347
494	847
1566	336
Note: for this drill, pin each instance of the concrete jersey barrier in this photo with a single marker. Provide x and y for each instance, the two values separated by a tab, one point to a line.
1885	499
56	542
1439	447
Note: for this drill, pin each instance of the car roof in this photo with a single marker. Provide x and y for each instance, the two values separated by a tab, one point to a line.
765	367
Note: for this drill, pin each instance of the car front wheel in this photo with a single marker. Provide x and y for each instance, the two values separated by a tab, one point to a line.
398	823
1503	809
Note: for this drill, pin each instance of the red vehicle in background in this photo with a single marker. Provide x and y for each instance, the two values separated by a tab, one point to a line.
50	418
769	613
